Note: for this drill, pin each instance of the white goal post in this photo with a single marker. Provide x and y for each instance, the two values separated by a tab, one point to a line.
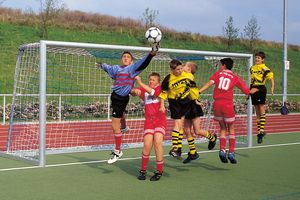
42	123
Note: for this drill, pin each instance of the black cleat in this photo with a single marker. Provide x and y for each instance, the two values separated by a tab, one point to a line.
179	152
212	144
231	157
156	176
260	137
191	157
175	153
142	175
222	156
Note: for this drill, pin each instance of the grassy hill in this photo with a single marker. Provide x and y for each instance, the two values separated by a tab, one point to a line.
15	33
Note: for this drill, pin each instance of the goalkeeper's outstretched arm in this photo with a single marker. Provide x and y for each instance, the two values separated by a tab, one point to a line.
110	70
142	64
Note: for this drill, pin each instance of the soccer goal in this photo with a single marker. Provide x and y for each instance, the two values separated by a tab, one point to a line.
61	101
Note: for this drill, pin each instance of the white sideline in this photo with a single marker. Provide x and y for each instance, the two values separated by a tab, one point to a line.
101	161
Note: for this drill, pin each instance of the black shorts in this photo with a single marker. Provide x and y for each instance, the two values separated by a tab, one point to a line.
259	97
119	104
194	112
179	108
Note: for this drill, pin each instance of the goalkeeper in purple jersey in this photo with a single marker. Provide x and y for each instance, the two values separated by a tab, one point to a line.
124	78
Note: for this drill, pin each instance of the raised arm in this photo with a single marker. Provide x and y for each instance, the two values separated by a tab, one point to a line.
139	66
206	86
143	85
110	70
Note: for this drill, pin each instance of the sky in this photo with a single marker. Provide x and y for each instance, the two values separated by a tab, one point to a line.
206	17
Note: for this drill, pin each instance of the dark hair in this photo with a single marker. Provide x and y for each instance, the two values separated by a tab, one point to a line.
127	52
261	54
154	74
228	62
174	63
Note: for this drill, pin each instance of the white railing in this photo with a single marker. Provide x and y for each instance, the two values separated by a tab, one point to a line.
59	102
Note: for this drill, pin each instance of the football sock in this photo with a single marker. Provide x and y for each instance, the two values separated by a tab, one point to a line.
118	141
231	142
145	160
192	146
180	137
160	166
262	121
175	135
210	136
223	143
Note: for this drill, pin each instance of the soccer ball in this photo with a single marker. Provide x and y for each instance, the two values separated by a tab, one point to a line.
153	35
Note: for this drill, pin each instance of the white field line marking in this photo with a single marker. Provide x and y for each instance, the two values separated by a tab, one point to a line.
135	158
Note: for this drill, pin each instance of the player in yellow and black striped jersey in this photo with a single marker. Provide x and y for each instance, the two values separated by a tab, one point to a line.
177	87
259	73
192	120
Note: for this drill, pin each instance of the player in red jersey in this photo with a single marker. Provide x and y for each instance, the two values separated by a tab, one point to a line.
154	126
225	80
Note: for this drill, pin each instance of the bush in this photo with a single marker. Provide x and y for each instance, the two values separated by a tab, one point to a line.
98	110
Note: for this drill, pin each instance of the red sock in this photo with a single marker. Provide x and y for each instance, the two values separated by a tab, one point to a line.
160	166
223	143
118	141
231	142
145	160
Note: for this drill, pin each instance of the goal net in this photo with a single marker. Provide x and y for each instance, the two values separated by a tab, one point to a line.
61	101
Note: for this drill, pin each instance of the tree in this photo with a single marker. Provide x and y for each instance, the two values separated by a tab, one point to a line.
251	32
149	17
50	9
230	32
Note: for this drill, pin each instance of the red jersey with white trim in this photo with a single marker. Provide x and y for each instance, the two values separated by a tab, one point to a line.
225	81
152	102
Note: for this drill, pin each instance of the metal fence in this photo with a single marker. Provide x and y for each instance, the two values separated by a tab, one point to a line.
6	100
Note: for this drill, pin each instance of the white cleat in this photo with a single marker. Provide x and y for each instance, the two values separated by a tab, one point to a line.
115	156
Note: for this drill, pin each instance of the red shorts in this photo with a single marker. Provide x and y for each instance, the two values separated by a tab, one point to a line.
224	111
155	124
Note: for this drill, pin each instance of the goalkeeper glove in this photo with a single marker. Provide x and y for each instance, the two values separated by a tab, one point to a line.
155	47
98	65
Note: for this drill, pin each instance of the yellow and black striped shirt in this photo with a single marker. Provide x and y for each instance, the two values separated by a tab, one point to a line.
179	87
259	74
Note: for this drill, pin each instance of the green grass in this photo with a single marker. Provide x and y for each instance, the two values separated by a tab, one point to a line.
267	173
14	35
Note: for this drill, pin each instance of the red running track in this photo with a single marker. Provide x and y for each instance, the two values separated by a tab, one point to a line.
60	135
